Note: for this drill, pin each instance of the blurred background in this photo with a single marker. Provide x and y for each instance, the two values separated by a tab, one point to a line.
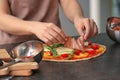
99	10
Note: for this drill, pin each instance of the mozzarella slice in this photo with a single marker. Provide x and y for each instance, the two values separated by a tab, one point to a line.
64	50
61	50
45	49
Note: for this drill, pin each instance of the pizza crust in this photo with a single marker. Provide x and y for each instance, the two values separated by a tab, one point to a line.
54	60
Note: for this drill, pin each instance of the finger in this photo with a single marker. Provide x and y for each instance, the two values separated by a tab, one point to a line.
91	28
76	46
56	36
80	44
80	29
51	38
64	37
81	39
46	41
60	32
87	28
95	29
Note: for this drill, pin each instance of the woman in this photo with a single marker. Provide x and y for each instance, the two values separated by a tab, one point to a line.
22	20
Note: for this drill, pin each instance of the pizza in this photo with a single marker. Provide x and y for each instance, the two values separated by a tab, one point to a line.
60	53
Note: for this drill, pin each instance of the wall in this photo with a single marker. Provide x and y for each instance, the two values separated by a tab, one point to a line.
105	9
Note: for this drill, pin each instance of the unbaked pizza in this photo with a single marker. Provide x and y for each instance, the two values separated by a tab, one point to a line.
60	53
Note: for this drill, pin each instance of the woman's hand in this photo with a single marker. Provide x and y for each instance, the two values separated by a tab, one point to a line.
48	32
86	27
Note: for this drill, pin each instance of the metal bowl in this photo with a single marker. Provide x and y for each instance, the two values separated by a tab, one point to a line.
113	22
32	50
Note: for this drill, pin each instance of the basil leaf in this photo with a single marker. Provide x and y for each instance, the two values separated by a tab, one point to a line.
56	45
52	50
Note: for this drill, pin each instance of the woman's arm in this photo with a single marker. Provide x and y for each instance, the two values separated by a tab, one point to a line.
10	23
48	32
71	9
86	27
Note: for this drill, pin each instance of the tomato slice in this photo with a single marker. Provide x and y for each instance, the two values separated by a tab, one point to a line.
90	43
50	53
65	55
77	52
95	46
91	51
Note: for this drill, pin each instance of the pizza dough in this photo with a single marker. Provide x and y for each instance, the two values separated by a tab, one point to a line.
71	55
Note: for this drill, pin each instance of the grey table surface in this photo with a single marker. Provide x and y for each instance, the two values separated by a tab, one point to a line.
104	67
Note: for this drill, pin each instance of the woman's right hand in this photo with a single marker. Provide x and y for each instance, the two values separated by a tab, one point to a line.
47	32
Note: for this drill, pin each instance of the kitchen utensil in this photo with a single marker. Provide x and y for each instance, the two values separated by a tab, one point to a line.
27	51
112	23
30	50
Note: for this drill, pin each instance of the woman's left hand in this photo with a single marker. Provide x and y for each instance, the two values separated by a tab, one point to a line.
86	27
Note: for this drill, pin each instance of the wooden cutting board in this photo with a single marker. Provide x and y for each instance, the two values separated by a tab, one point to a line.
4	71
4	55
18	69
21	73
24	66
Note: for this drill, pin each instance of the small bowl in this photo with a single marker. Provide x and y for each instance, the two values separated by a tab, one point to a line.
32	50
113	28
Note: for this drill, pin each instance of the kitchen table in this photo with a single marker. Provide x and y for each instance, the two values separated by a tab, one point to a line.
104	67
